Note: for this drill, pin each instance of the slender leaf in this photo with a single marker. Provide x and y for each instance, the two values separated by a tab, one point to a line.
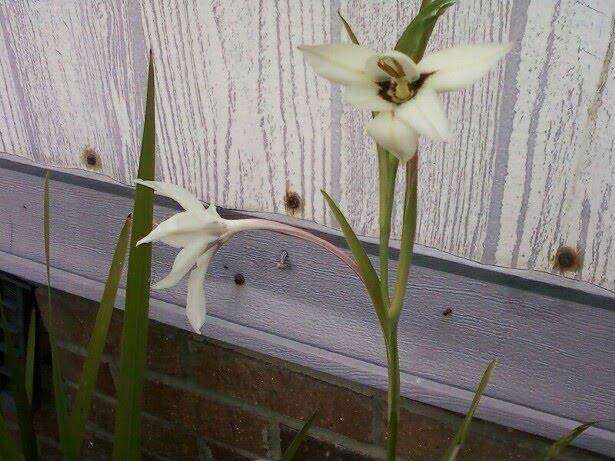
413	40
24	413
30	354
290	452
81	406
566	440
127	443
370	278
460	437
351	35
7	444
56	373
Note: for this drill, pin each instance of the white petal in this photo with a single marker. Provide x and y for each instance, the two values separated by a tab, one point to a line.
365	96
177	193
339	62
196	306
394	135
186	222
425	114
376	74
184	261
459	67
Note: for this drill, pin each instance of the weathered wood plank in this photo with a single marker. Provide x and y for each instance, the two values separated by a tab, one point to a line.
243	122
560	167
529	167
555	349
74	66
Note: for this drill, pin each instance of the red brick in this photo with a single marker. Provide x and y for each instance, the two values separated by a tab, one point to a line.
314	448
75	318
422	438
96	447
72	367
284	391
163	345
50	450
222	453
214	420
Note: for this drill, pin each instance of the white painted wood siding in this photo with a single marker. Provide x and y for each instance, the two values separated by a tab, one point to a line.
530	166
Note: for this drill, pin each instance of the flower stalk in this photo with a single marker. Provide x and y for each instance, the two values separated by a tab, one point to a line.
255	224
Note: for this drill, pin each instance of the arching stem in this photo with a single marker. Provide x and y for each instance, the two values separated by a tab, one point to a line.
255	224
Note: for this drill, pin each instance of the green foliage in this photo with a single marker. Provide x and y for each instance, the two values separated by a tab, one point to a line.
81	406
30	355
351	35
20	395
566	440
7	445
370	278
413	40
127	443
56	373
290	452
460	437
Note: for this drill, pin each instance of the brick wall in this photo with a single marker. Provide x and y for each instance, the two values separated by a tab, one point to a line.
208	401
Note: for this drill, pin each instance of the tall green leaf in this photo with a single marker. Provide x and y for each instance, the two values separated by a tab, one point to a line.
7	444
22	405
81	406
30	355
413	40
56	372
460	437
370	278
127	443
566	440
351	35
290	452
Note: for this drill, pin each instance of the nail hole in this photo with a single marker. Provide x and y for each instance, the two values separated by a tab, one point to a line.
447	312
567	259
293	202
91	159
240	279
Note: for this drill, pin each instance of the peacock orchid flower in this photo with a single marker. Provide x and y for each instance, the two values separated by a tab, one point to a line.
403	92
200	232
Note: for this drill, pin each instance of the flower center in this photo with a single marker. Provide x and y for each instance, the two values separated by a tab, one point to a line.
397	89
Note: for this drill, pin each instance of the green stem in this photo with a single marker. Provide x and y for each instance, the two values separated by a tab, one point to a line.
407	239
394	390
387	166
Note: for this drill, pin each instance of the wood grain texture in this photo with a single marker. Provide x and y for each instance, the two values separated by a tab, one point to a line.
554	353
242	120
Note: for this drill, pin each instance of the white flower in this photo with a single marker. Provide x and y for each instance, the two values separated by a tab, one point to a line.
199	232
404	93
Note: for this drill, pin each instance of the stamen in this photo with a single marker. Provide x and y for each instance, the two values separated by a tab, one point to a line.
392	67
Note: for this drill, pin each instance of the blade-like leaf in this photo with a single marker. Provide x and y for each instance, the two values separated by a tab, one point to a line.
413	40
290	452
30	354
24	413
56	373
566	440
127	443
81	406
370	278
351	35
7	444
460	437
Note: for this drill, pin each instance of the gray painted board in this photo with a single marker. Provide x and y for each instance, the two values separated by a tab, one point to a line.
555	344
